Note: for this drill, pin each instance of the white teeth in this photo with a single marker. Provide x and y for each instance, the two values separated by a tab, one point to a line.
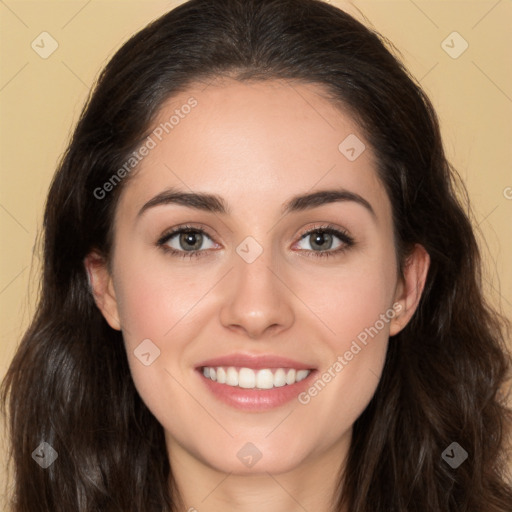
290	376
248	378
279	378
232	377
301	375
264	379
221	375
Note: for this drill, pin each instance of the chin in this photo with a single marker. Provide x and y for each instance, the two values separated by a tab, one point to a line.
248	458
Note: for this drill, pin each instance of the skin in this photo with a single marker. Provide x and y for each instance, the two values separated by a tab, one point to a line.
256	145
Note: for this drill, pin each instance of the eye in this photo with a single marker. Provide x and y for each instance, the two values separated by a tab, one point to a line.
191	242
322	241
186	242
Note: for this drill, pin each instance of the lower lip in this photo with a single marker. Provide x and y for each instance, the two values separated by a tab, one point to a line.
256	399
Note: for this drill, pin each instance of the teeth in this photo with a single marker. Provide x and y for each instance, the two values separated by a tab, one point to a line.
279	378
248	378
221	375
232	377
290	376
301	375
264	379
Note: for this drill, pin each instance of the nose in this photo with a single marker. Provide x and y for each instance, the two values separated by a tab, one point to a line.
258	302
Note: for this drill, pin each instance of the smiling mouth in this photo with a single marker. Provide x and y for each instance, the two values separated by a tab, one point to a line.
247	378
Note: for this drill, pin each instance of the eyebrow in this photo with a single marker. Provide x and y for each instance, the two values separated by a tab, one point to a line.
216	204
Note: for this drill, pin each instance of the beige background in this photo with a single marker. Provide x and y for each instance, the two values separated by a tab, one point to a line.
40	100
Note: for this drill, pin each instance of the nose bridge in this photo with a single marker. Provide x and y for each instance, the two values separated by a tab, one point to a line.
253	266
256	299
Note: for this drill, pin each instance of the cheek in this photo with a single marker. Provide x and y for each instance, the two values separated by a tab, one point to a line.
357	307
157	304
153	298
157	309
350	298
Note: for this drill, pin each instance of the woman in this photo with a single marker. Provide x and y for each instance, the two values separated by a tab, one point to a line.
259	288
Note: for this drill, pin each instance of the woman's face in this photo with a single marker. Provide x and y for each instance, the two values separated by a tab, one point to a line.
247	290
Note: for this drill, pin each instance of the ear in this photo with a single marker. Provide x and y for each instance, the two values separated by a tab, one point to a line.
102	288
410	287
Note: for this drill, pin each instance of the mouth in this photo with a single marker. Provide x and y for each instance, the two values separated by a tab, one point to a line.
255	383
248	378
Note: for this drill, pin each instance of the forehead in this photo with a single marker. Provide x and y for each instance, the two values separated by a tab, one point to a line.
245	140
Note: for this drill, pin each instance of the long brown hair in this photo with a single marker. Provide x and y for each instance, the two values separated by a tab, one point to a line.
69	383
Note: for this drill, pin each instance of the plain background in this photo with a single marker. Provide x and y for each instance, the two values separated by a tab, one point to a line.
40	100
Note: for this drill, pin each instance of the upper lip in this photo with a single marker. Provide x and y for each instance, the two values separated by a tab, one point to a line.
256	362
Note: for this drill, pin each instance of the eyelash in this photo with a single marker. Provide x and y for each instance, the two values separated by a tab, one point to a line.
347	240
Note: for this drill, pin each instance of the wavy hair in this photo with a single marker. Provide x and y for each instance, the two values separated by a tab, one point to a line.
69	383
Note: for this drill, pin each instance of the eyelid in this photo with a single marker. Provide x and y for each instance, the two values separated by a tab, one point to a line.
326	227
